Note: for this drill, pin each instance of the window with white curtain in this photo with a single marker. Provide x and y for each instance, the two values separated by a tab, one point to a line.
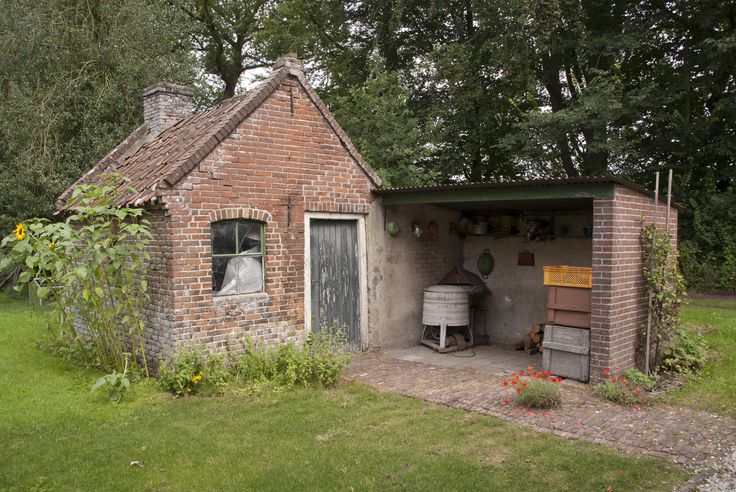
238	249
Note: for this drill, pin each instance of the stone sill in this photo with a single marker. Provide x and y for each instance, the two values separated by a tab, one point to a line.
240	299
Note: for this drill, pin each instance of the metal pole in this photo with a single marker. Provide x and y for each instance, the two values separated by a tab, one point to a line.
651	268
669	202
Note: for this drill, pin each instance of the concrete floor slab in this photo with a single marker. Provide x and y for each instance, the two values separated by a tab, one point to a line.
491	359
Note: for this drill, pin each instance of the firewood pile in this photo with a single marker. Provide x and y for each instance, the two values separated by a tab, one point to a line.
532	341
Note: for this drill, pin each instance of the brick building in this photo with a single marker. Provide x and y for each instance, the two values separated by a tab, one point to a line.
227	191
268	223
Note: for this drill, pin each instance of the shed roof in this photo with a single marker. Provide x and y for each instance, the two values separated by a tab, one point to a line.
534	194
152	163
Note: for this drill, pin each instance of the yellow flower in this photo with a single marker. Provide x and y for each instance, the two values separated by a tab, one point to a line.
52	245
196	379
20	232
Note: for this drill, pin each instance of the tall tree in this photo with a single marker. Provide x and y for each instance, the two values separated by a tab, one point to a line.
71	75
225	33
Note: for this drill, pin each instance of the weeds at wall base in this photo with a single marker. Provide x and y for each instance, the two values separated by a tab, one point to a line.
319	362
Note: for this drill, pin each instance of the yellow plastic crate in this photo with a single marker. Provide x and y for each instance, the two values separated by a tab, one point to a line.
568	276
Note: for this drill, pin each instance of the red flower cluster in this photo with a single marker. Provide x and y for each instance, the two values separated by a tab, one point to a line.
518	381
621	380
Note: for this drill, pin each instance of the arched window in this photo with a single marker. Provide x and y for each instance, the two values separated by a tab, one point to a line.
238	249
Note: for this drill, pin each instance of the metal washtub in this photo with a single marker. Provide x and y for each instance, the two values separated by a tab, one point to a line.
445	305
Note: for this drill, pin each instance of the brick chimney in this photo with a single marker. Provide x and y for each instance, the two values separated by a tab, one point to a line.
289	60
164	104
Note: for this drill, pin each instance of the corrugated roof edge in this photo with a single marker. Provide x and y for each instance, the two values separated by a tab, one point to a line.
522	184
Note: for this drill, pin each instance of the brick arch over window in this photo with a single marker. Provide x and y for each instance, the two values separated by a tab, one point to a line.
240	213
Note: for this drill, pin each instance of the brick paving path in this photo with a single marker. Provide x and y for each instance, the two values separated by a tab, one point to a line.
684	436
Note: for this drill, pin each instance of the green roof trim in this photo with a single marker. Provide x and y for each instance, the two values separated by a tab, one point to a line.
523	193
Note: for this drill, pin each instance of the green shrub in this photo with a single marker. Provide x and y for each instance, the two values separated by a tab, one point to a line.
685	353
256	364
539	393
116	384
329	355
640	379
193	372
320	361
535	389
618	388
77	351
88	269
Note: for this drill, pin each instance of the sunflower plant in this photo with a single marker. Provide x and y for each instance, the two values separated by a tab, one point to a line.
87	267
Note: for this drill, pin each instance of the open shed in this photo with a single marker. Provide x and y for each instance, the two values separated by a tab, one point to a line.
586	222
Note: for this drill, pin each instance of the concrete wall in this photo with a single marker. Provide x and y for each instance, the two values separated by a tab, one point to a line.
519	296
400	268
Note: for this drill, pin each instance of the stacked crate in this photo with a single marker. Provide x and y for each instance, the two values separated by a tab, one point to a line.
567	336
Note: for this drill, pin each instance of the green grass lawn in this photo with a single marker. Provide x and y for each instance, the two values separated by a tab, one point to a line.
714	389
56	435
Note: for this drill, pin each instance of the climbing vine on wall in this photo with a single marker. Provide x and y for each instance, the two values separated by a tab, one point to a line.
667	288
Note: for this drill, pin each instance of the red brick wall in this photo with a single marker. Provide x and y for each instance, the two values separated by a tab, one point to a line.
275	157
158	314
620	297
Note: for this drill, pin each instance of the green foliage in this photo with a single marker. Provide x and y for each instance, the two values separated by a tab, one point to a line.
713	389
193	372
621	393
624	387
535	389
378	120
539	393
685	353
115	384
667	287
226	35
640	379
329	355
78	351
319	362
708	246
88	267
71	76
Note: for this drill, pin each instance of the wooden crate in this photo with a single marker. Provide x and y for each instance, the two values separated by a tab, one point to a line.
566	352
569	306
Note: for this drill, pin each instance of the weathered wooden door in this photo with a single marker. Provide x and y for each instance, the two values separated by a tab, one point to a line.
335	277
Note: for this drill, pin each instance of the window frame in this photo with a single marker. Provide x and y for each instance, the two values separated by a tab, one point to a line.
262	254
